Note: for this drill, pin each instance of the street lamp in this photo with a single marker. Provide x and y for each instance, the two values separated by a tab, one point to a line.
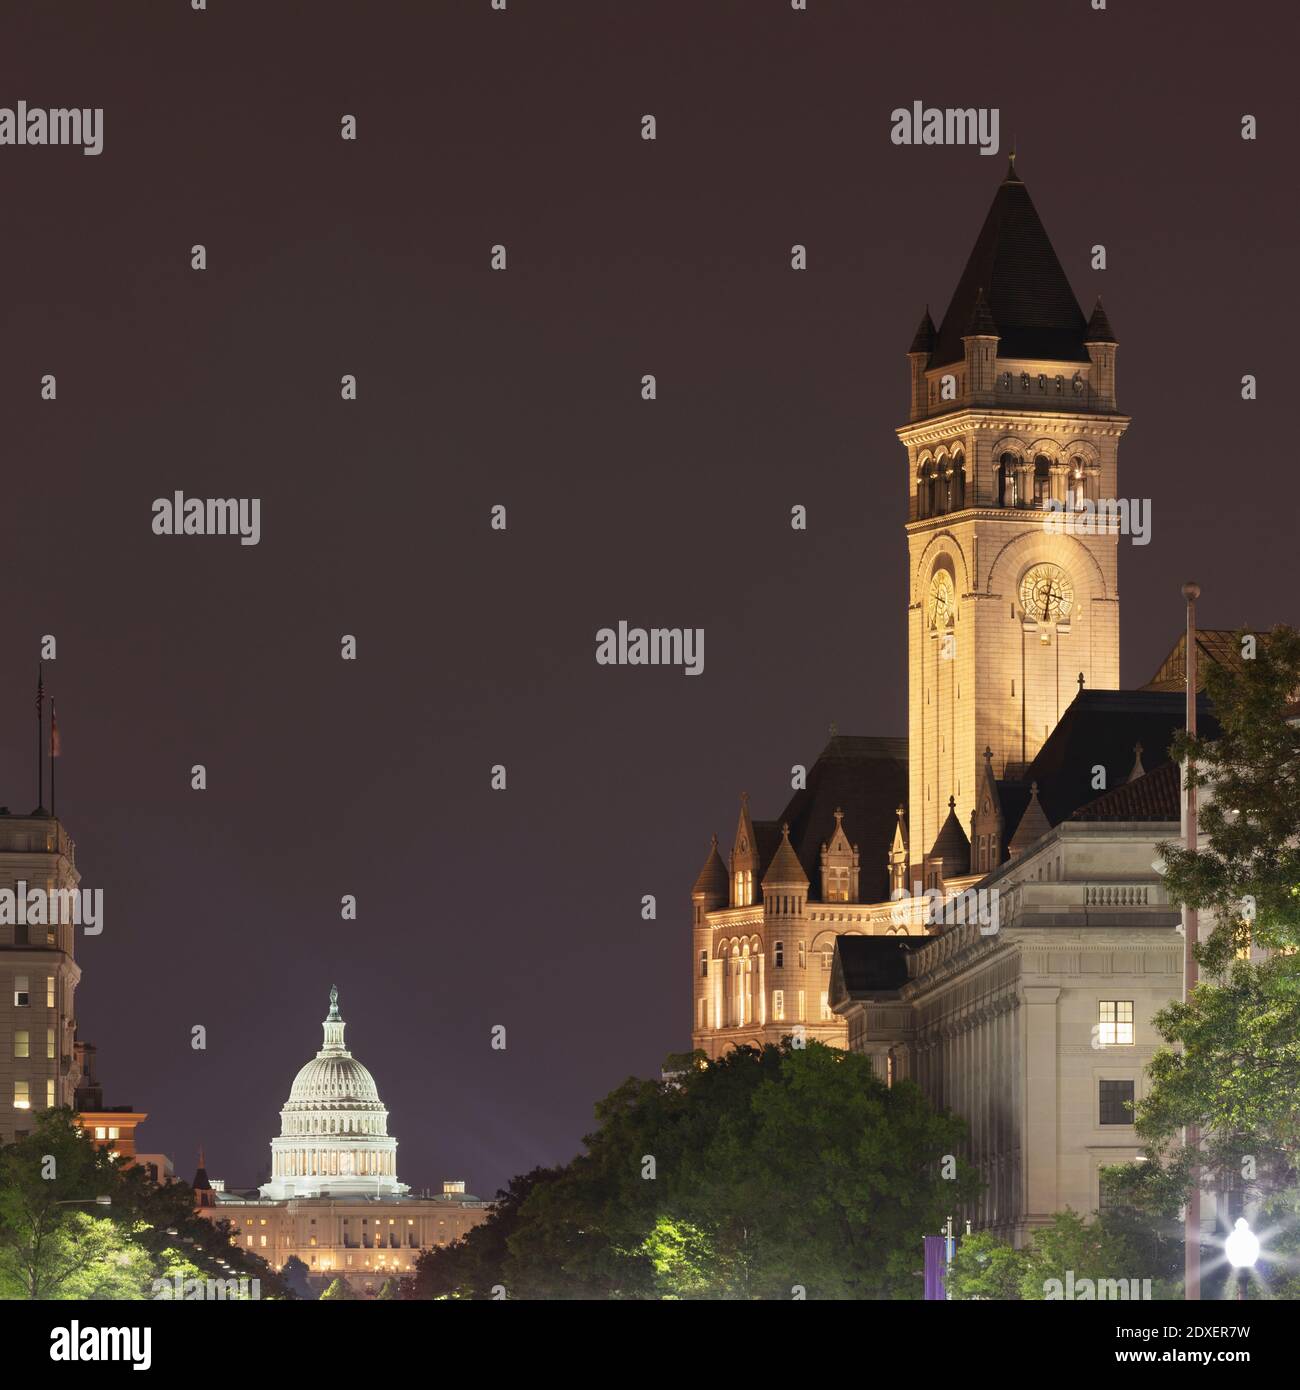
1242	1250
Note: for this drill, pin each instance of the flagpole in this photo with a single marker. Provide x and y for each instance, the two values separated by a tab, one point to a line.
54	720
40	738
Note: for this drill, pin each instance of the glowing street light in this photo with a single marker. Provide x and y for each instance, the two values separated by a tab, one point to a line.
1242	1250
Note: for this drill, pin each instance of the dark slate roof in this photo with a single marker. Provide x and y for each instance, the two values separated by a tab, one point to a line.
923	341
1100	727
1099	329
712	879
867	779
981	318
1028	293
1214	646
875	965
1155	797
951	844
785	866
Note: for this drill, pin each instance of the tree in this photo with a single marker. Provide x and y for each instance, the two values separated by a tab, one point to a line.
1231	1064
56	1241
985	1267
766	1173
339	1291
473	1265
296	1278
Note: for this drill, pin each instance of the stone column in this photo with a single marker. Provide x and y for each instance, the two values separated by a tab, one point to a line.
1041	1101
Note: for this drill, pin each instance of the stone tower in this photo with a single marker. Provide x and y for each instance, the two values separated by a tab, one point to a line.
1012	434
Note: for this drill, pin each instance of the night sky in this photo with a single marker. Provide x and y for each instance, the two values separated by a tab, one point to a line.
522	388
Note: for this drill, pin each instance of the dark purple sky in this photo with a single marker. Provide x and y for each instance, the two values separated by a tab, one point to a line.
522	908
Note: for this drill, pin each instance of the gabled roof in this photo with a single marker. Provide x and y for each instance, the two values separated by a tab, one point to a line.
1028	293
1155	797
923	339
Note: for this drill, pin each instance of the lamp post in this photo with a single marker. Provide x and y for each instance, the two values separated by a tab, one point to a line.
1242	1250
1192	1138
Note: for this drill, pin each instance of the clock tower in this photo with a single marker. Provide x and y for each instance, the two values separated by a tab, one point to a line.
1012	441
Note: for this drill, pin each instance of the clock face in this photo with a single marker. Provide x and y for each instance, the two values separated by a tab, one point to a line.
941	606
1047	594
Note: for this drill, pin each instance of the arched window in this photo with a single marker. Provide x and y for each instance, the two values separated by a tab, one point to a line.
1007	481
925	490
957	484
1042	481
1078	483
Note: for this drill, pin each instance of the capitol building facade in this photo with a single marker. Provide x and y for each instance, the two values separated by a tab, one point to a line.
334	1199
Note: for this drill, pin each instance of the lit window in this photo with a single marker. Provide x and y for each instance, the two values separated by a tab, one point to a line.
49	991
1115	1023
49	1043
113	1132
101	1132
803	956
22	1096
263	1242
778	1004
49	1093
22	997
826	1008
22	1046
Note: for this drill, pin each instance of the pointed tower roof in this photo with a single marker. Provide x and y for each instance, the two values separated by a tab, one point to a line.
1028	293
951	844
1033	825
201	1181
981	318
1099	329
899	841
712	879
924	339
746	842
785	866
1137	770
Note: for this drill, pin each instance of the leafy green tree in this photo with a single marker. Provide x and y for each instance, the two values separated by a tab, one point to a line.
472	1266
387	1292
56	1241
755	1175
985	1267
339	1291
1231	1060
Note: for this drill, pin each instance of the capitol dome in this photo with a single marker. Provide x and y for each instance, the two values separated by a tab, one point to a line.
334	1139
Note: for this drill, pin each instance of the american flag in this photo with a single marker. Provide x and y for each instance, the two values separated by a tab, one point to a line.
56	744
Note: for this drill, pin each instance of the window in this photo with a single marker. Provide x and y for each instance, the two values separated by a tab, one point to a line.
1115	1023
49	991
802	1012
49	1043
803	956
703	1012
22	997
1042	481
704	965
22	1096
49	1094
1116	1097
22	1044
827	956
779	950
778	1005
102	1133
826	1008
